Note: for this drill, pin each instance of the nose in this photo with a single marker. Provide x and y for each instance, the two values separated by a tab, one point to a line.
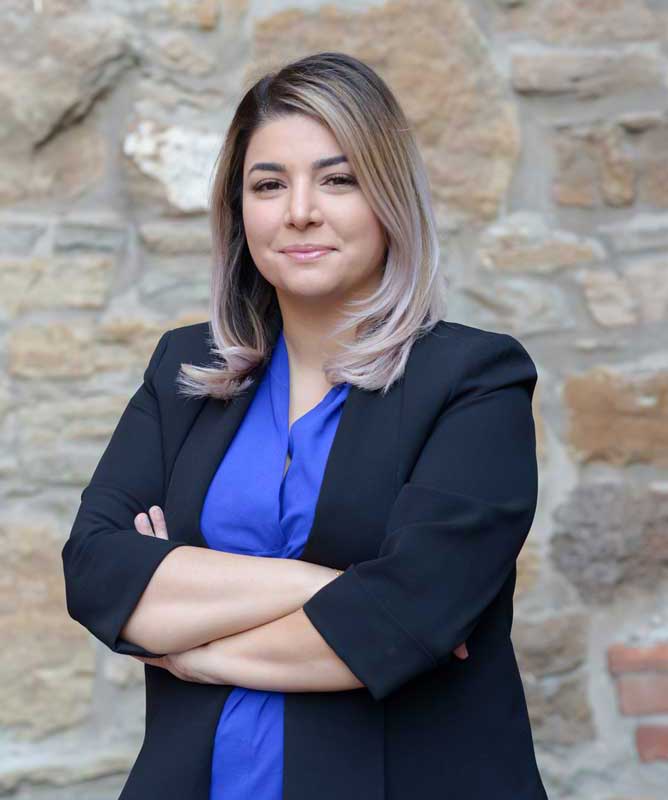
302	205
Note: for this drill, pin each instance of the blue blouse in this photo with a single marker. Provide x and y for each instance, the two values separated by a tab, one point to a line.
251	508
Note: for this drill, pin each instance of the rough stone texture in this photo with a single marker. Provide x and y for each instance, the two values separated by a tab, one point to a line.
551	645
58	282
525	242
177	51
52	72
618	414
604	163
91	232
196	14
544	128
60	350
519	306
528	567
609	540
448	86
640	232
60	442
559	710
47	664
586	74
180	160
608	297
169	239
574	22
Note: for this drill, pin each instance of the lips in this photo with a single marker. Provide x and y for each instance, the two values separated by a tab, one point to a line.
306	248
307	255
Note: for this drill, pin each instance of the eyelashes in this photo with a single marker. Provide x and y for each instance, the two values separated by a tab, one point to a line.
345	180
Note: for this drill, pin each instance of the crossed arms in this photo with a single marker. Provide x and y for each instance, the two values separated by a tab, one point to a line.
452	540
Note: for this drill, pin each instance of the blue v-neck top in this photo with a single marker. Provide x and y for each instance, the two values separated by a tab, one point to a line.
250	508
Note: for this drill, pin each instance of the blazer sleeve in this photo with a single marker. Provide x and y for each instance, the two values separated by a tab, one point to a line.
453	533
107	563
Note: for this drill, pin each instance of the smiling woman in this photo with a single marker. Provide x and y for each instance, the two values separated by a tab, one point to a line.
338	485
304	215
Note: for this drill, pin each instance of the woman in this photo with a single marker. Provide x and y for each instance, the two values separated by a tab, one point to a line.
345	491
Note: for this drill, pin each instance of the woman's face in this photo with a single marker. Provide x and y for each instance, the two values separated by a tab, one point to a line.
288	200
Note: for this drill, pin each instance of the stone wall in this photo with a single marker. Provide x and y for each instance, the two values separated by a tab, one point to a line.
544	124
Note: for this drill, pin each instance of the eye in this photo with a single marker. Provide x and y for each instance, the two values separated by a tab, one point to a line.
345	180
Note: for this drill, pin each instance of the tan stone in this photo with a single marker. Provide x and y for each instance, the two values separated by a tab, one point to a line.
61	170
617	169
119	342
203	14
577	22
551	644
63	441
528	567
467	130
559	709
640	232
171	238
58	66
585	74
576	181
606	163
608	297
47	661
524	242
73	281
619	414
518	306
55	350
648	282
71	768
639	295
91	230
175	50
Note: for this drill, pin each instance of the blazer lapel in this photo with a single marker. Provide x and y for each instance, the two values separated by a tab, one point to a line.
359	481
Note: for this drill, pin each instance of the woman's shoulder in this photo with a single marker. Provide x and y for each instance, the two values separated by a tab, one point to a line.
189	344
457	341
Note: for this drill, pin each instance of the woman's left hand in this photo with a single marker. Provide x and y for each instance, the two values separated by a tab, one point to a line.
187	666
159	526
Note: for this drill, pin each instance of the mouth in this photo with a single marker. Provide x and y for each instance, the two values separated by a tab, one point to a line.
306	255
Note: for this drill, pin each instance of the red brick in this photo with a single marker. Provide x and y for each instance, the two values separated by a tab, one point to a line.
645	693
652	742
623	658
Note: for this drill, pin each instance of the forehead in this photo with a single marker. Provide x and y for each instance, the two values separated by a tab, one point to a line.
292	140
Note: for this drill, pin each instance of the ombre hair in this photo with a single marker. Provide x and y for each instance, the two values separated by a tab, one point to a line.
349	98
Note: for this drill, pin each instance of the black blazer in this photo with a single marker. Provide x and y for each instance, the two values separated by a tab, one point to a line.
427	498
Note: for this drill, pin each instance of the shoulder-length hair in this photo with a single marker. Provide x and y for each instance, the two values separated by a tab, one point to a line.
346	95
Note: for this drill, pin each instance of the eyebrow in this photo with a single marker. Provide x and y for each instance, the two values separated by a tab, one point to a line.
273	166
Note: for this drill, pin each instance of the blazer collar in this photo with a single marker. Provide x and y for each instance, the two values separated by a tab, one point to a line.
362	462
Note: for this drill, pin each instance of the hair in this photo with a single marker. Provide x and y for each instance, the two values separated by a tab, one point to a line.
346	95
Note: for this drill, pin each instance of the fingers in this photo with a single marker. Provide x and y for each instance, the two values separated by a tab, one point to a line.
152	524
158	520
143	525
461	651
